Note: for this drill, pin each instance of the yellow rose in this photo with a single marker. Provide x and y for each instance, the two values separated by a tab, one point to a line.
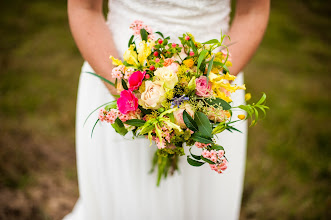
153	95
167	76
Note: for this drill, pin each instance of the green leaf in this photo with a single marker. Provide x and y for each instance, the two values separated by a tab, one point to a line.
197	136
204	124
210	66
221	65
194	163
262	99
195	156
135	122
194	48
217	147
207	160
230	128
143	34
189	122
159	33
202	56
102	78
112	105
131	40
94	127
124	85
219	102
143	110
212	41
219	128
119	127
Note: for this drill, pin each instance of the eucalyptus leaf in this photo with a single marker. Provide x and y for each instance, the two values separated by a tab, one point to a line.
194	163
204	124
189	122
217	147
135	122
195	156
198	137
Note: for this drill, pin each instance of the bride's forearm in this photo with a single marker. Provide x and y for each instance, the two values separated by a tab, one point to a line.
247	30
92	36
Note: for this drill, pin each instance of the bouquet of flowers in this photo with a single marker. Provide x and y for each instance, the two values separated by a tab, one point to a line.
175	94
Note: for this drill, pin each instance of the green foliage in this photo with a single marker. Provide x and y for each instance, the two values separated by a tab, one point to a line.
203	124
252	110
217	102
135	122
143	34
119	127
189	121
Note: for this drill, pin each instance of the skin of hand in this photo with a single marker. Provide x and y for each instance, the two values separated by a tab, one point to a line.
246	31
94	39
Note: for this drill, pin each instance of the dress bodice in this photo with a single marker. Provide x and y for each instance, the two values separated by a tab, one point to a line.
203	18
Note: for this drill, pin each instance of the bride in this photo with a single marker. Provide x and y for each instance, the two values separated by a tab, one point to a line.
114	182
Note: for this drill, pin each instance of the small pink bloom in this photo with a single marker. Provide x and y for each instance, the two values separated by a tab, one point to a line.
136	79
157	60
187	37
191	53
174	45
127	102
220	153
202	88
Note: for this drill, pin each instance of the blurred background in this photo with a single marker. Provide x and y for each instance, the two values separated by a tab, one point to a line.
288	172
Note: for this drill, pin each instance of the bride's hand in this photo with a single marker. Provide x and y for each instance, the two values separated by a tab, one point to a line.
92	36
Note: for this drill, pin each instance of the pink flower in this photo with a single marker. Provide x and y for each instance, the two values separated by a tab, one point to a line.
178	114
202	88
127	102
220	153
136	79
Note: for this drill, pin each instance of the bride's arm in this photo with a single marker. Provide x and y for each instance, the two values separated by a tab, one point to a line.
246	31
92	36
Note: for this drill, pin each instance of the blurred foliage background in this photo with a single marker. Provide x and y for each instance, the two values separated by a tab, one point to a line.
288	173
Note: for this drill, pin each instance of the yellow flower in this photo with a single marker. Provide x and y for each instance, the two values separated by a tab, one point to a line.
222	95
167	76
144	50
130	56
189	63
241	117
248	96
116	62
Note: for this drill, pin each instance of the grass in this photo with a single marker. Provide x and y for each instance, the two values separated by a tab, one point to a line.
288	171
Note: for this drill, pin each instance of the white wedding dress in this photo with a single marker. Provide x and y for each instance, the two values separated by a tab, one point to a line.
113	172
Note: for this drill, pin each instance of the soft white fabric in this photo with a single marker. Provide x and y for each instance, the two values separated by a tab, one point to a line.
114	182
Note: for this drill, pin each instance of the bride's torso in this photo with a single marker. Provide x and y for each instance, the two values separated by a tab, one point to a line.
203	18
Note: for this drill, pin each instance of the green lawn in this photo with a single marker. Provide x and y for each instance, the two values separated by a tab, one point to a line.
288	173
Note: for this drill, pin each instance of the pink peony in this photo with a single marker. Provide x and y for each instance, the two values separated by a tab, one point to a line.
127	102
202	88
136	79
